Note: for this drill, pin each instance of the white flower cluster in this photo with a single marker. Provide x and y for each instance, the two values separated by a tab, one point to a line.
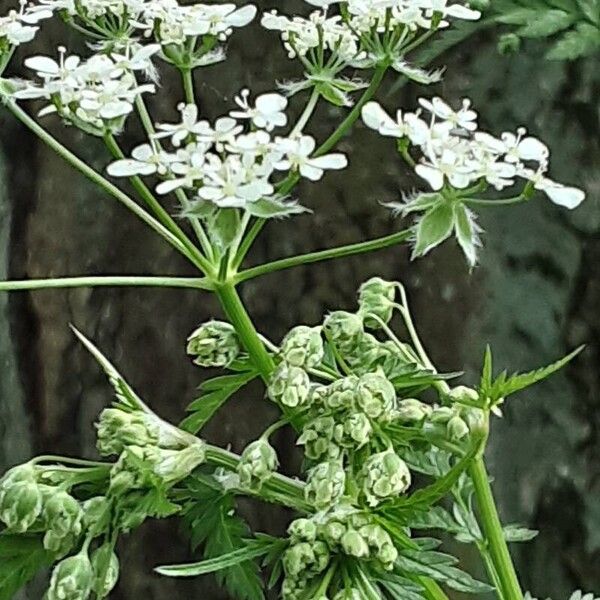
20	26
170	22
96	94
345	34
221	163
454	152
578	595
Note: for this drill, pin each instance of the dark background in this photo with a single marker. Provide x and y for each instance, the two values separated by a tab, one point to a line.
535	295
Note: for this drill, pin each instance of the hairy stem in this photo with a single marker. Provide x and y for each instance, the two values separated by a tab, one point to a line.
105	281
493	532
321	255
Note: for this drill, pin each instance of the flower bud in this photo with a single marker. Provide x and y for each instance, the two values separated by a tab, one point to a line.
96	513
376	394
344	329
342	394
457	428
325	484
358	429
72	578
119	428
462	393
380	543
62	515
303	347
105	565
174	465
354	544
384	475
412	410
257	463
333	532
441	414
289	386
214	344
317	438
20	505
24	472
376	296
305	558
302	530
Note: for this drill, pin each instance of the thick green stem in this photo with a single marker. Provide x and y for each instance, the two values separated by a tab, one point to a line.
105	281
321	255
493	532
432	590
236	312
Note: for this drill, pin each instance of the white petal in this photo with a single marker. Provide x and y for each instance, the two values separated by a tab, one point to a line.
432	175
330	161
128	167
311	172
168	186
271	103
42	64
569	197
374	116
531	148
242	16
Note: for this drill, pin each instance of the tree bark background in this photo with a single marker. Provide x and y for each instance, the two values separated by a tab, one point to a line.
535	295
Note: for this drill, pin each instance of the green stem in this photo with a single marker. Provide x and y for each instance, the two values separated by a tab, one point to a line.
432	590
96	178
493	532
148	197
188	85
236	312
105	281
306	113
321	255
248	241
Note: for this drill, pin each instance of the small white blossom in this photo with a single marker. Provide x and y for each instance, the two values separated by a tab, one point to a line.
267	113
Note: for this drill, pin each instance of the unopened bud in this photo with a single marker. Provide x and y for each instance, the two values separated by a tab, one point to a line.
96	513
342	394
344	329
302	530
358	428
214	344
457	428
289	386
72	578
376	297
105	565
384	475
354	544
118	429
62	515
462	393
20	505
174	465
376	394
317	437
325	484
303	347
412	410
257	464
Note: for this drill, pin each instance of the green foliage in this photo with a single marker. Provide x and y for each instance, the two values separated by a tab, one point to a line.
215	392
212	523
21	557
574	25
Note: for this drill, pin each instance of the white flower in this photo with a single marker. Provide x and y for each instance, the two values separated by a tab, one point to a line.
465	118
20	26
579	595
297	152
188	126
408	125
519	148
145	160
449	165
268	111
569	197
223	132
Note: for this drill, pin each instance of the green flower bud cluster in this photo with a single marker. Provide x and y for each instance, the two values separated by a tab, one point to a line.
289	386
325	484
303	347
456	422
347	410
316	541
376	297
78	576
383	476
257	463
344	329
29	505
214	344
148	448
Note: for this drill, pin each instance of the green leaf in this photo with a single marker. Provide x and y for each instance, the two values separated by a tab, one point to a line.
435	226
211	521
518	533
21	557
584	40
467	232
222	226
505	385
547	23
411	204
269	208
333	95
219	389
440	567
591	9
417	74
400	588
212	565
